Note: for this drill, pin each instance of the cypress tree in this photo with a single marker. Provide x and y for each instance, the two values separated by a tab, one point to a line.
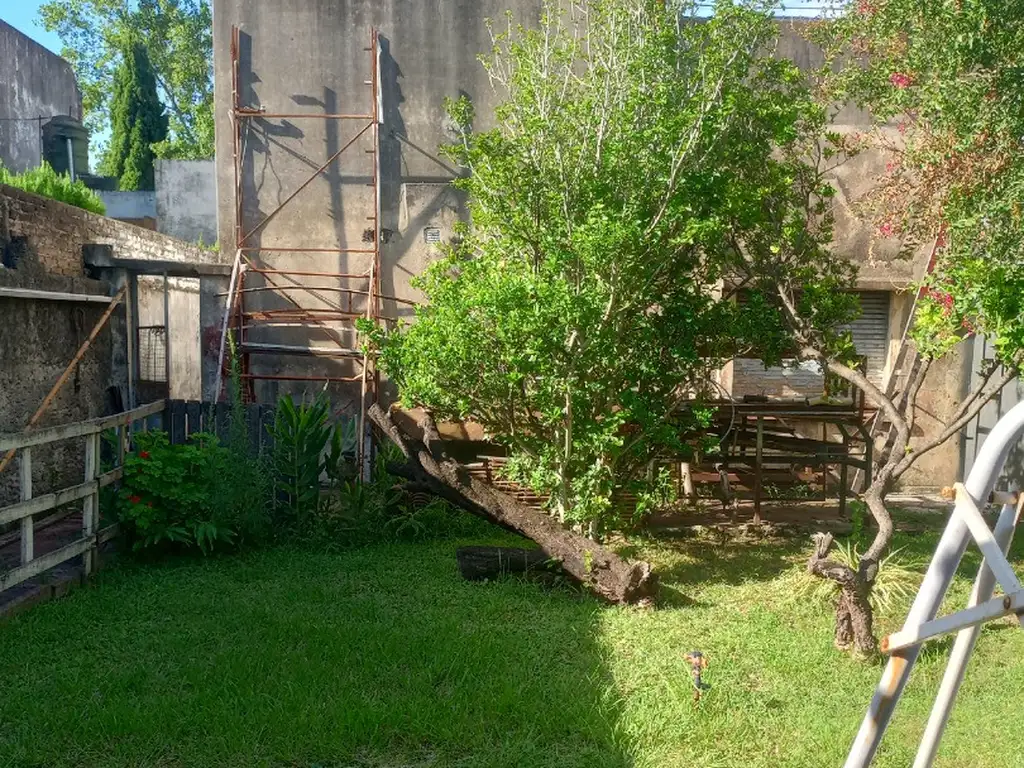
138	121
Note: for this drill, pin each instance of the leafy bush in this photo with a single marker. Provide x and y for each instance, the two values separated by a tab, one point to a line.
47	182
199	494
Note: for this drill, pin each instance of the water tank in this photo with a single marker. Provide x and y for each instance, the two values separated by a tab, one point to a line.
57	132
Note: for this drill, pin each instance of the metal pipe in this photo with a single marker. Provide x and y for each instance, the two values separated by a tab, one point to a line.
248	112
963	647
71	157
236	268
1006	433
284	377
264	271
254	248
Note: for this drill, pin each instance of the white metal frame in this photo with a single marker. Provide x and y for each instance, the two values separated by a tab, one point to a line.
965	524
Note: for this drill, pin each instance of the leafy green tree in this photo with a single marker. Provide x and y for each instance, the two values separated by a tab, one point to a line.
178	38
583	306
943	81
138	122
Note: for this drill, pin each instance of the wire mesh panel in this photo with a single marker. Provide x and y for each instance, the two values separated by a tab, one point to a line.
153	353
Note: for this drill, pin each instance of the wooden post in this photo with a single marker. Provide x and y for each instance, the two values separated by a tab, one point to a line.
757	470
844	477
90	507
28	530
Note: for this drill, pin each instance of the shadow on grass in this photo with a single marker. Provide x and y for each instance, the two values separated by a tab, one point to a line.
380	656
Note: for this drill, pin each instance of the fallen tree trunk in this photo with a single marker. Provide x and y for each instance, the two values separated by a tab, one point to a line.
480	563
428	468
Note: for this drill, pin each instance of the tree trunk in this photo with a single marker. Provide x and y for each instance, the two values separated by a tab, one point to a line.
479	563
428	467
854	618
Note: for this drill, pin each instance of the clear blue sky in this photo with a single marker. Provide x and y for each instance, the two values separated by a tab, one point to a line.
23	15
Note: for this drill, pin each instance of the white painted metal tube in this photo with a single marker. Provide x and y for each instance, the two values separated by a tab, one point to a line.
963	647
1006	433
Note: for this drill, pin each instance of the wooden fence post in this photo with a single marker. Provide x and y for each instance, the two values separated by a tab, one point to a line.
28	531
90	510
759	454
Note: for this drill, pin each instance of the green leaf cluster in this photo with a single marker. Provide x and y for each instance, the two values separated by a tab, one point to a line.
196	495
47	182
639	158
178	39
944	80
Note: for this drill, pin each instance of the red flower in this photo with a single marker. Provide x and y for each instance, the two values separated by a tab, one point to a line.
902	128
899	80
865	8
143	454
886	230
134	499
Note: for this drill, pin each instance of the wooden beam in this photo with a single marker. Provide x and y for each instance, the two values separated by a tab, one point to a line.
32	293
27	529
49	501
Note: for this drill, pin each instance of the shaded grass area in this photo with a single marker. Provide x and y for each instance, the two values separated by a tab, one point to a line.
384	657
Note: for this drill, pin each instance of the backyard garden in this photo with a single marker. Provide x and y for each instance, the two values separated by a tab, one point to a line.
654	202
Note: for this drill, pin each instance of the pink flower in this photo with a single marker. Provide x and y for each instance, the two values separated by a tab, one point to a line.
902	128
865	8
890	167
899	80
886	230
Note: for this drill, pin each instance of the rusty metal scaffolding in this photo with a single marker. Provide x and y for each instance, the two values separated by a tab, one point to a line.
240	320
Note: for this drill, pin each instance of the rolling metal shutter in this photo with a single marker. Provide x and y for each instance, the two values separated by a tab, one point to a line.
870	331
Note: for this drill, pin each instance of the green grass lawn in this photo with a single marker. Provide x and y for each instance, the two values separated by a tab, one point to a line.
384	657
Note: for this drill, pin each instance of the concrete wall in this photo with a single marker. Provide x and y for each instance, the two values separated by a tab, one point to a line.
137	207
186	200
34	83
307	56
41	244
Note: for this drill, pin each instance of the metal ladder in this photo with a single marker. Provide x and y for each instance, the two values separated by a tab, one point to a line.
965	524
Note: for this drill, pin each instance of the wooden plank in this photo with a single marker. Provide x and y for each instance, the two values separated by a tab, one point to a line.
757	469
50	501
252	428
45	562
27	527
17	440
32	293
176	429
90	509
193	419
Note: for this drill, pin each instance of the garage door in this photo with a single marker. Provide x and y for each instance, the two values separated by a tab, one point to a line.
870	331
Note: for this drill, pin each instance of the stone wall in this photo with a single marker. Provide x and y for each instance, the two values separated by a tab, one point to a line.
35	85
41	244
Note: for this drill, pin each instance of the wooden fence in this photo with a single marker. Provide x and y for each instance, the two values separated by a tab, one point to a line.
25	511
184	418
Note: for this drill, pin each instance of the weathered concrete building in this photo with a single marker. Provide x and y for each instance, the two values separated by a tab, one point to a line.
36	85
302	60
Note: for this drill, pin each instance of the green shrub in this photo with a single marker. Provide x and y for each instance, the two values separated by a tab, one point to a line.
196	495
47	182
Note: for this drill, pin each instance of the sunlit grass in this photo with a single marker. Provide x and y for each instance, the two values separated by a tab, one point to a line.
384	657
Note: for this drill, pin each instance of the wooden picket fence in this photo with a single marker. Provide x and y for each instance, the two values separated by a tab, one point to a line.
29	507
183	418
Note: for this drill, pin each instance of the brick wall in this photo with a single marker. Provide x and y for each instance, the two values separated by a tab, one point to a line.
56	233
